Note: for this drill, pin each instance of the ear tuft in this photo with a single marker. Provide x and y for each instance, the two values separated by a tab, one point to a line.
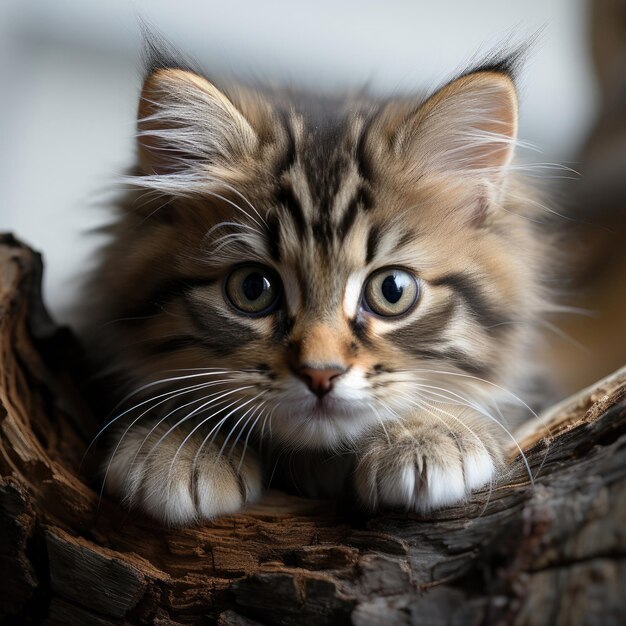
185	122
506	62
158	53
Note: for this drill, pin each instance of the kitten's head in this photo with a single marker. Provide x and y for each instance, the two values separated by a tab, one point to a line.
336	262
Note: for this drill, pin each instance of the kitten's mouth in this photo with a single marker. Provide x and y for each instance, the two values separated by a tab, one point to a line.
329	407
322	407
312	422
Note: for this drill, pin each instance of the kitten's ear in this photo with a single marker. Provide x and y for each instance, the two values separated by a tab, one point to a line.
468	126
185	121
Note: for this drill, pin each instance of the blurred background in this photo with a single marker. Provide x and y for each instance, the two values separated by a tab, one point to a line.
70	73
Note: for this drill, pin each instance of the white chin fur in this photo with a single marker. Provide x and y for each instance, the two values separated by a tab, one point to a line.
302	421
302	428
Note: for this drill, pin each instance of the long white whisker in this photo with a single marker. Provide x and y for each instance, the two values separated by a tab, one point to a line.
194	413
222	242
380	420
563	335
261	439
256	409
197	454
106	473
232	430
540	419
420	405
169	380
452	395
483	412
245	445
476	437
482	380
268	419
167	395
215	401
214	429
228	224
209	369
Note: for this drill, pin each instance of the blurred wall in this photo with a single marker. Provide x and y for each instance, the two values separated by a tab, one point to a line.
70	72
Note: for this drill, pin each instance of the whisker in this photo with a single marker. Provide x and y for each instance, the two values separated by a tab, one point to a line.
483	412
380	420
228	224
152	430
429	408
213	430
167	395
167	202
232	430
566	337
245	445
194	413
256	410
125	319
420	405
168	380
483	380
197	455
216	401
269	424
261	436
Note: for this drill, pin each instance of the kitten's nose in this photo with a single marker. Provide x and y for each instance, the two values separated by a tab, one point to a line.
320	380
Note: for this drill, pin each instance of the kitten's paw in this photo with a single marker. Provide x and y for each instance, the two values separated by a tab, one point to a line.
421	467
175	484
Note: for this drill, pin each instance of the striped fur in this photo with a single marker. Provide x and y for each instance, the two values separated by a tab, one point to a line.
324	191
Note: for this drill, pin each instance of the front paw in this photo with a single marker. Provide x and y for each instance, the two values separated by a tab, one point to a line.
421	466
181	482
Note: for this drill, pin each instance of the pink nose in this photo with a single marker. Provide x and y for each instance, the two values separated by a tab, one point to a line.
320	380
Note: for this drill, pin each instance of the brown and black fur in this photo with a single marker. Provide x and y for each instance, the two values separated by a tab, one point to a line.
324	191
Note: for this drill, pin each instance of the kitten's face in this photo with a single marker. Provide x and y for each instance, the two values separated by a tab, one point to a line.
330	271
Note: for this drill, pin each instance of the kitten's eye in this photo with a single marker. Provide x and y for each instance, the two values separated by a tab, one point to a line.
390	292
253	289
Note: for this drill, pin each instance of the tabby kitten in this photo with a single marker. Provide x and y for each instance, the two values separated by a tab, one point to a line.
339	290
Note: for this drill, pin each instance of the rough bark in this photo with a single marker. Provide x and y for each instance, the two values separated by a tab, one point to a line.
550	551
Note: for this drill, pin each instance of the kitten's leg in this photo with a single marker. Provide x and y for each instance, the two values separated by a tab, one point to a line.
180	484
423	463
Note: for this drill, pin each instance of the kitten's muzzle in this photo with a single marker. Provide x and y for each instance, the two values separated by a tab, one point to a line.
320	380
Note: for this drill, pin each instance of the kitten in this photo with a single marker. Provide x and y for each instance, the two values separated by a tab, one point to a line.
341	288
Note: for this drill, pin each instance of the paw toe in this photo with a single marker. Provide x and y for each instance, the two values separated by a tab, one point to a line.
445	485
479	469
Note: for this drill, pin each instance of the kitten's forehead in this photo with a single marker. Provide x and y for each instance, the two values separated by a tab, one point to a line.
321	193
328	226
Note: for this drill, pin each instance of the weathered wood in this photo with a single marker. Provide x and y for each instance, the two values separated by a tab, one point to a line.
552	552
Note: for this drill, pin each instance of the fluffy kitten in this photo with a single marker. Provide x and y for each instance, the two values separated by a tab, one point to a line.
345	284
